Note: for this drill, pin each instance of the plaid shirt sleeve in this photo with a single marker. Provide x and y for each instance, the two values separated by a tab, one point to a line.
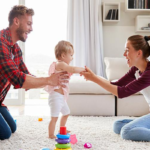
8	67
23	68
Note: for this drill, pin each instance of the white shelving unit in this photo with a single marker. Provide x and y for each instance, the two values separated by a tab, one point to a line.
142	21
135	9
110	5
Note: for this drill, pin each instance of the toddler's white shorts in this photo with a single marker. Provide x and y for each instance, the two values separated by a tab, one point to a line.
58	104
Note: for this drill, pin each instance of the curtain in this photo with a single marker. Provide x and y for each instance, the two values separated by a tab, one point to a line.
84	31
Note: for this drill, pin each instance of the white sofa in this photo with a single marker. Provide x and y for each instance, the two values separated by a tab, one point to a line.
88	98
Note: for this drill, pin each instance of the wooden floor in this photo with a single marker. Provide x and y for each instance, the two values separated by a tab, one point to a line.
31	108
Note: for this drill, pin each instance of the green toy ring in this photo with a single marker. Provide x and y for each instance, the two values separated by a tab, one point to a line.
63	145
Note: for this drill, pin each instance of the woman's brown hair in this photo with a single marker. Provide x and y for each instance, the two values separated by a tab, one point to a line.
140	43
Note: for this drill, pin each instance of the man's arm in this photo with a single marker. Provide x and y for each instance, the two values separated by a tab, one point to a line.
54	80
18	79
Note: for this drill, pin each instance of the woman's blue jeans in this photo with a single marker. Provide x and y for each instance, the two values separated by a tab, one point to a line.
135	130
7	124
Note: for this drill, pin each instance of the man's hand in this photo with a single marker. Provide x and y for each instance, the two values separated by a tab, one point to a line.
58	79
88	74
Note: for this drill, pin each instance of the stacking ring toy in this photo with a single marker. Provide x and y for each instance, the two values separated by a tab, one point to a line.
63	149
62	141
63	145
60	136
45	149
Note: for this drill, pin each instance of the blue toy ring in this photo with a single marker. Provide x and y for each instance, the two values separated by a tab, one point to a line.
62	141
60	136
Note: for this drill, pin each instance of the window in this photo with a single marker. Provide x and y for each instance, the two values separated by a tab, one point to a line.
49	27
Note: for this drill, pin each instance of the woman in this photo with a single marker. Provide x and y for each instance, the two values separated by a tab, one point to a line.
137	50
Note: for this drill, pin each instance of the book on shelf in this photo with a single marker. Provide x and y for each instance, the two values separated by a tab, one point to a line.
131	4
108	17
117	14
136	4
145	28
148	4
140	4
113	14
143	4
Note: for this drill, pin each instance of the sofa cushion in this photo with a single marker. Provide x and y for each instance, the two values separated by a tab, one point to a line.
78	85
115	67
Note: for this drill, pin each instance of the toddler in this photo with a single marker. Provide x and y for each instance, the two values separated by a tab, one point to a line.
57	95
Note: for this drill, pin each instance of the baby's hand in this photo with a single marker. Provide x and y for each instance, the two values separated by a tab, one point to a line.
88	74
81	73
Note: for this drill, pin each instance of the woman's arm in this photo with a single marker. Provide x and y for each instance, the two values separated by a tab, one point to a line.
125	90
89	75
71	69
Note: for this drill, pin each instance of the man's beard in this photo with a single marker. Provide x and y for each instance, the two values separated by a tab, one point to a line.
20	32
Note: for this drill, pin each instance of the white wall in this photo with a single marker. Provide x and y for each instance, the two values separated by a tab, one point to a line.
115	34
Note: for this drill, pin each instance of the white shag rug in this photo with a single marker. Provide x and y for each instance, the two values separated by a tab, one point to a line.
33	135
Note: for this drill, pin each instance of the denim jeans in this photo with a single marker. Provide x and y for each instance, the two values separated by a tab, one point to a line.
7	124
134	129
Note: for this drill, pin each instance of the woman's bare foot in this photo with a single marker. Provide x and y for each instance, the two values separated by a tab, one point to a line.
52	136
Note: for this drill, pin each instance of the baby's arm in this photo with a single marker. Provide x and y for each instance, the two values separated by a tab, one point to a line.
62	66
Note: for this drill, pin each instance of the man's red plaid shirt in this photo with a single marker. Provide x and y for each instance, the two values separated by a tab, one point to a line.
12	68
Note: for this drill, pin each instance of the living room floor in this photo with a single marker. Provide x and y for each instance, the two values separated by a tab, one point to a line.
31	108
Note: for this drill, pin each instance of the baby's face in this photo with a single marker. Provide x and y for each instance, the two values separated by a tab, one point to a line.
68	57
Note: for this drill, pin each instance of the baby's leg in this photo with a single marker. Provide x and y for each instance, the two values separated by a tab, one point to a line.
63	121
55	100
51	127
65	114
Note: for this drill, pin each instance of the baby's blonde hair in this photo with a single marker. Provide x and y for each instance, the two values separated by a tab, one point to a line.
62	47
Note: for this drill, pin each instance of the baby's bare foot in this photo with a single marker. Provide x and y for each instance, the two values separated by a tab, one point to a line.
52	136
68	131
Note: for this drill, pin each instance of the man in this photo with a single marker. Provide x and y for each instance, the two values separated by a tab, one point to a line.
13	70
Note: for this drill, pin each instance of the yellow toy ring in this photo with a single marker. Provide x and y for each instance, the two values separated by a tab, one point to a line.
63	149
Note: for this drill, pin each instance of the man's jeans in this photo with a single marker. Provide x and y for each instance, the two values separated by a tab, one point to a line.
7	124
135	130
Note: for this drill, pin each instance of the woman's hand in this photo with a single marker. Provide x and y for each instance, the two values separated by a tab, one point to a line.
58	79
88	74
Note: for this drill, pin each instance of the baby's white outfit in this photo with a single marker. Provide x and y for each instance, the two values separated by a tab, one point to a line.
57	101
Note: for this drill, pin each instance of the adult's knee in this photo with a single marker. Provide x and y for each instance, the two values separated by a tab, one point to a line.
125	133
6	134
116	127
13	127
